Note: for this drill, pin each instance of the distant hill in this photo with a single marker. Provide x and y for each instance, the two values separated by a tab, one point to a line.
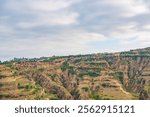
140	52
120	75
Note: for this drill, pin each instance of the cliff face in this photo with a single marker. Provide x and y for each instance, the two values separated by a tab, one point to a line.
134	73
124	75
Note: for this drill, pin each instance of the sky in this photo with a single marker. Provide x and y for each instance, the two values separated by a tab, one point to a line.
35	28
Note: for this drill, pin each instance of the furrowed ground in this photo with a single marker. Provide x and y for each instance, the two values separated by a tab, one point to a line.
122	76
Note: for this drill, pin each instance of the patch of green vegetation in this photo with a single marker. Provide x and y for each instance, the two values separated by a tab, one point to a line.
48	96
128	53
110	63
20	86
26	86
95	96
77	61
64	66
40	69
38	97
143	53
8	64
49	59
124	62
105	84
90	59
102	64
36	89
86	89
72	71
53	76
5	96
119	76
92	74
14	74
134	58
2	76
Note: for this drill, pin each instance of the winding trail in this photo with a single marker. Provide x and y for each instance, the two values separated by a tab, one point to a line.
120	87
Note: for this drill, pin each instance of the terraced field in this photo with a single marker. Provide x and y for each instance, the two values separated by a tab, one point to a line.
14	86
122	76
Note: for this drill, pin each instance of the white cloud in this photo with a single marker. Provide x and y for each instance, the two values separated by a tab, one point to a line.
62	43
43	12
64	27
146	27
127	8
50	19
5	29
38	5
81	36
132	36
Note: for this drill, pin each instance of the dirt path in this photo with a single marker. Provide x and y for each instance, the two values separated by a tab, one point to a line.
120	87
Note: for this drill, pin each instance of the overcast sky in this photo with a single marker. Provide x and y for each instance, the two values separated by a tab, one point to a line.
34	28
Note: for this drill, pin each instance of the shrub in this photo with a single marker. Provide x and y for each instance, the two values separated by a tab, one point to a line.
53	76
27	86
120	76
20	86
2	76
14	74
85	89
72	71
93	74
64	66
95	96
105	84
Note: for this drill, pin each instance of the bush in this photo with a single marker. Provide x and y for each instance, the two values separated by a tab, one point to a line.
14	74
20	86
95	96
77	61
72	71
27	86
98	64
2	76
85	89
64	66
105	84
53	76
120	76
92	74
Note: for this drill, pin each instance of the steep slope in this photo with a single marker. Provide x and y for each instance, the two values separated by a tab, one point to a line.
124	75
16	86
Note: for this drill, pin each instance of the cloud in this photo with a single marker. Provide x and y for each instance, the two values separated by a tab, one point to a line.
128	8
63	27
42	12
38	5
5	29
62	43
146	27
61	18
121	20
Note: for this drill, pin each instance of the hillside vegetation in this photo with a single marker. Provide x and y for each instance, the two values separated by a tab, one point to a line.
106	76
